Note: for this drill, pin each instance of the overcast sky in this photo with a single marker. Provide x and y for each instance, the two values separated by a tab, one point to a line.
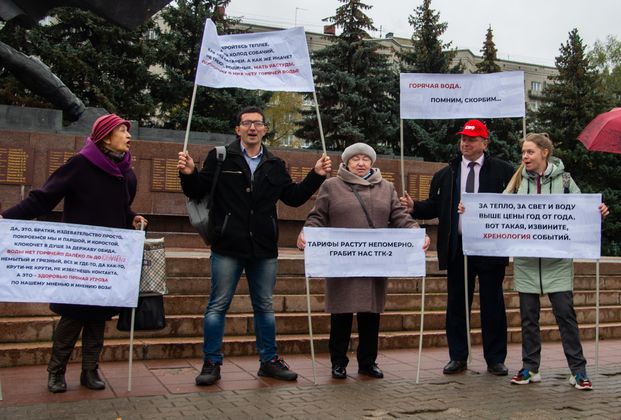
524	30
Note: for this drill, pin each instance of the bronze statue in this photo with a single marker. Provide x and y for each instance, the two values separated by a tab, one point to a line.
35	74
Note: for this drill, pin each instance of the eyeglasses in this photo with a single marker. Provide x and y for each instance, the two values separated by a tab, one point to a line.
248	123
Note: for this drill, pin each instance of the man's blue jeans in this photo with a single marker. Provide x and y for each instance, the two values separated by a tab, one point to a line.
225	274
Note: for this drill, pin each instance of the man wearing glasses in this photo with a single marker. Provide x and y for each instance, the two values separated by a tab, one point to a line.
251	182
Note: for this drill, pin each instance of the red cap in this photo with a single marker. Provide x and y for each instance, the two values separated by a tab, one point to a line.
105	124
474	128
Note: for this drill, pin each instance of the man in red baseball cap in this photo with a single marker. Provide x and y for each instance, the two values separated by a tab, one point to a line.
474	170
474	128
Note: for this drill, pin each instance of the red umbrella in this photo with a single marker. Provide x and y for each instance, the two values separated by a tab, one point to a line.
603	134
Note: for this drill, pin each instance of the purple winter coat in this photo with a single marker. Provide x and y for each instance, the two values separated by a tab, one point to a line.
92	197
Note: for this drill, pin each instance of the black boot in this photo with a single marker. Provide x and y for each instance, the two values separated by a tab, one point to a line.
56	382
91	379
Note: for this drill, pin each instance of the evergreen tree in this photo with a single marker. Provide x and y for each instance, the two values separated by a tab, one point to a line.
432	140
355	85
179	42
429	54
104	65
573	99
12	91
504	133
488	63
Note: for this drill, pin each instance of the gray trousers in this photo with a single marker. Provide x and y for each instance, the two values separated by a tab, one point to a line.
67	334
563	309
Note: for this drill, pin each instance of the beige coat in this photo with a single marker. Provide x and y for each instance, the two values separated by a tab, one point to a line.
337	206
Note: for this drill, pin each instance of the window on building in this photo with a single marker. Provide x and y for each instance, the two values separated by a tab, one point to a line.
535	86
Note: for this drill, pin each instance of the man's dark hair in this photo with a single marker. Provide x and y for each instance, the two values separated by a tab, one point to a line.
250	110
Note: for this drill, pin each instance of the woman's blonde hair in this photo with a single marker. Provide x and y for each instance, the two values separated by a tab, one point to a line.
542	141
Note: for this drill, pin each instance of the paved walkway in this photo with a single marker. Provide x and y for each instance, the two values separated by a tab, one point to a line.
165	390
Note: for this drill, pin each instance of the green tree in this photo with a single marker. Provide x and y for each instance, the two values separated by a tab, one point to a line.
430	139
429	54
489	51
282	112
504	133
12	91
573	99
606	56
104	65
355	86
179	40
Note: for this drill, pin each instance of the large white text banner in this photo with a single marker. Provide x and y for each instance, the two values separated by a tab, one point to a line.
337	252
67	263
275	61
426	96
547	226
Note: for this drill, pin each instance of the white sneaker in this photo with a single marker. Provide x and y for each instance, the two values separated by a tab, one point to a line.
525	376
581	381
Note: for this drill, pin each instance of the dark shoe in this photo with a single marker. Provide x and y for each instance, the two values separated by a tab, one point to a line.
277	368
91	379
56	382
209	375
455	366
498	369
339	372
372	371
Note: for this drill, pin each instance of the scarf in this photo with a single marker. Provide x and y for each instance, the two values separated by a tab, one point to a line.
118	169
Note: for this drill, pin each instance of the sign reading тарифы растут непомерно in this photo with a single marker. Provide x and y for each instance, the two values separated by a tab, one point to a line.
338	252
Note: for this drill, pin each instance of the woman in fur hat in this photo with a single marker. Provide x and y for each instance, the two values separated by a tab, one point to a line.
98	186
337	206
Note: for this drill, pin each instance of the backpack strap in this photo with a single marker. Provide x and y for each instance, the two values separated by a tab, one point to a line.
220	156
220	153
566	179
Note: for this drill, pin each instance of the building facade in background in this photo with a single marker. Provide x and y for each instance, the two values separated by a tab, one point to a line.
535	76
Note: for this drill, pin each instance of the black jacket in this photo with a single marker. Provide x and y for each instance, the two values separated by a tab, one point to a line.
444	198
245	219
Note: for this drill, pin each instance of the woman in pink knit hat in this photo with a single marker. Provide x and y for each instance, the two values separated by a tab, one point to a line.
98	186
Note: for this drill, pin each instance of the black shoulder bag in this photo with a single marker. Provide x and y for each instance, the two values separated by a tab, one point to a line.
199	210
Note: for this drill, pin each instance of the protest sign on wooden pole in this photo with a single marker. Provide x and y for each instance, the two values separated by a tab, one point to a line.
449	96
342	253
69	263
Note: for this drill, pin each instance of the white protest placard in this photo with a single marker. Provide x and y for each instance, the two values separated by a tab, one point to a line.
338	252
427	96
538	225
67	263
274	61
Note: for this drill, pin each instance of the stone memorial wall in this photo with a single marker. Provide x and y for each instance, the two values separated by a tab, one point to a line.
27	158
